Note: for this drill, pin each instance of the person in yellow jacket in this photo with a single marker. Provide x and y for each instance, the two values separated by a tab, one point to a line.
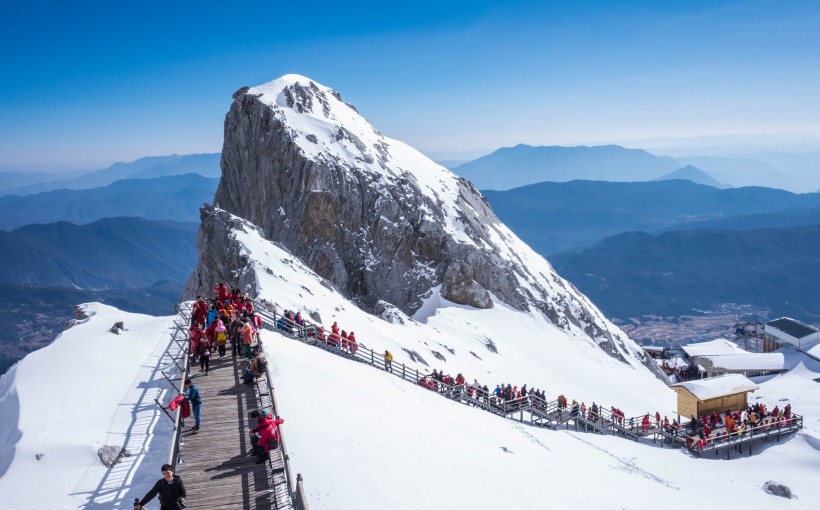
388	361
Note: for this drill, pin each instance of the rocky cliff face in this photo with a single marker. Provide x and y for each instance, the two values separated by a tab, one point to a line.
371	215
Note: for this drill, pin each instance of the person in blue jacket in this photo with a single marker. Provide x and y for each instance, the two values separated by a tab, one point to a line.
192	395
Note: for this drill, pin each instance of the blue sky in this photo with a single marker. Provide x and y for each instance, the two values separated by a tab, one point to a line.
83	84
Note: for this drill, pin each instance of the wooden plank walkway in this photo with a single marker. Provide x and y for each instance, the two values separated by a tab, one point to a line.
214	464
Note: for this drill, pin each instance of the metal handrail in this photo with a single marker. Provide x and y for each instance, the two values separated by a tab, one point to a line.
601	421
176	437
296	490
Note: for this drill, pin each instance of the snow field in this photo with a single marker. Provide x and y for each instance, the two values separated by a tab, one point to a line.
365	439
87	389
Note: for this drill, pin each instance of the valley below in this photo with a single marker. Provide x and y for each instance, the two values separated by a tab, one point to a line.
672	332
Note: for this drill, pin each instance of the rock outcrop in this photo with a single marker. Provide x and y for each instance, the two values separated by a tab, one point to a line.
371	215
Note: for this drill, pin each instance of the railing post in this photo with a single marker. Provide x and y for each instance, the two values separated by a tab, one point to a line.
403	371
373	357
751	439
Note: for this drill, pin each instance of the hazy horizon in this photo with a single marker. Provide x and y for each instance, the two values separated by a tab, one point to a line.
85	84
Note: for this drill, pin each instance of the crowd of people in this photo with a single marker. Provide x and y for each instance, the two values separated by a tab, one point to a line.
230	318
715	428
295	324
510	397
227	318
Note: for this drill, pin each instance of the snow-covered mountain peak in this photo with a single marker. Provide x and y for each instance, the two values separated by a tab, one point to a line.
330	131
376	218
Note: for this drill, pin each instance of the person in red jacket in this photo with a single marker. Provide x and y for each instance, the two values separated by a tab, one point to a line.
199	312
344	340
222	292
333	339
196	334
354	345
268	438
645	423
210	332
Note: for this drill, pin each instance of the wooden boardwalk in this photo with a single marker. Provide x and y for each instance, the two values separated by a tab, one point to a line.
214	464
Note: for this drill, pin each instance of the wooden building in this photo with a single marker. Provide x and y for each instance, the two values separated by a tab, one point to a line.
702	396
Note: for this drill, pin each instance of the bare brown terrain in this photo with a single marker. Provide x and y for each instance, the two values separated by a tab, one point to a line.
684	329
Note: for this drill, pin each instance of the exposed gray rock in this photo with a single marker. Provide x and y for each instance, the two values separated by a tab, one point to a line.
220	258
377	238
118	328
439	356
777	489
39	456
414	356
79	317
110	455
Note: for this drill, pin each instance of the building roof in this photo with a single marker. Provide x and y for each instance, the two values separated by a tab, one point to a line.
717	347
813	350
792	327
768	361
704	389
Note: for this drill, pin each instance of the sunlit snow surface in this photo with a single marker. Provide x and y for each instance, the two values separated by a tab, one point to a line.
363	439
87	389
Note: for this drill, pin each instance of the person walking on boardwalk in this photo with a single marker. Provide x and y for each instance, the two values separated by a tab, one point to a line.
170	489
388	361
192	395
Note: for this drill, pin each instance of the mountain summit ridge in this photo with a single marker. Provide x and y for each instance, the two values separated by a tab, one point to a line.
374	217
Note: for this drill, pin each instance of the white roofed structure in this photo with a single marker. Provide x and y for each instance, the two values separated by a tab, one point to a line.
717	347
789	332
702	396
747	364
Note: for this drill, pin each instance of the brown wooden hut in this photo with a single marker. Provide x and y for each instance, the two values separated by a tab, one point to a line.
702	396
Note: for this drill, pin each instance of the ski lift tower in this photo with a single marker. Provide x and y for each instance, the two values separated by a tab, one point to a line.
750	326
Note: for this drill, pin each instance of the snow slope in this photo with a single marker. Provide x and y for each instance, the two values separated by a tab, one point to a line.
368	440
87	389
530	349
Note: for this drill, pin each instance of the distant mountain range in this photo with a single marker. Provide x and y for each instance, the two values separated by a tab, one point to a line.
553	217
681	272
134	264
113	253
206	165
692	174
511	167
790	171
176	197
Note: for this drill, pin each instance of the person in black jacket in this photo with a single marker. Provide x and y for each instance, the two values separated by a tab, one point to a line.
170	489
